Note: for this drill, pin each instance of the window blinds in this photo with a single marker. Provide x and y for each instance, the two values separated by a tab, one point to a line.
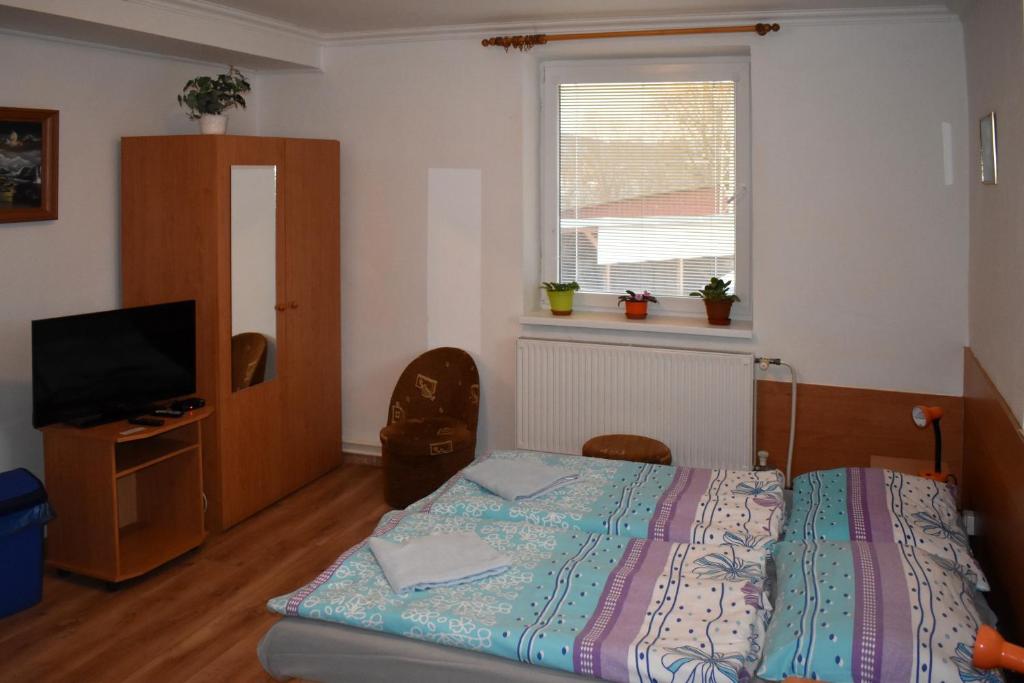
647	183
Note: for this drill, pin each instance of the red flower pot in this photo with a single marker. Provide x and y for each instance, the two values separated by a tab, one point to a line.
636	310
718	311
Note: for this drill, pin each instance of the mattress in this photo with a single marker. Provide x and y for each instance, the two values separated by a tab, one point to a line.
334	653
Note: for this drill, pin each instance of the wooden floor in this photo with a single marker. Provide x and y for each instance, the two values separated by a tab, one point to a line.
199	617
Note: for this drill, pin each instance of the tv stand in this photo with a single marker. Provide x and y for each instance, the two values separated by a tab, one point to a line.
111	415
125	503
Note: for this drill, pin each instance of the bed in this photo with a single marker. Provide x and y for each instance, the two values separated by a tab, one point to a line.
348	625
680	504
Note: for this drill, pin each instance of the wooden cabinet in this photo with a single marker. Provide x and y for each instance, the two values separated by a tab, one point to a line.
127	499
177	228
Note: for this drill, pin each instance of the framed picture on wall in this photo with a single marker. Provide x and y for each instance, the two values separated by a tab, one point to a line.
28	164
989	168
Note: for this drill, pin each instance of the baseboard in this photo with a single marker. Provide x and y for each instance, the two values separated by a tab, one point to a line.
360	448
360	454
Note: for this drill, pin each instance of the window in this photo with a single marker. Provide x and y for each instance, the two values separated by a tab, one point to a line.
645	182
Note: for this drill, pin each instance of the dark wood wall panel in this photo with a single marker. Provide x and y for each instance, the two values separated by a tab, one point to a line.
993	473
846	427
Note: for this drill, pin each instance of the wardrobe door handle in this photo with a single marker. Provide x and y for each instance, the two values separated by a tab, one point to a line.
293	304
279	307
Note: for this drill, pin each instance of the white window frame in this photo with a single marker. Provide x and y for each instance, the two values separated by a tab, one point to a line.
555	73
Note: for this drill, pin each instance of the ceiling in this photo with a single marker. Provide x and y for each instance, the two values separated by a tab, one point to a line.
346	16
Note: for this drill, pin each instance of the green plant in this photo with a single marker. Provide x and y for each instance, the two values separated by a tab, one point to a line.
630	295
212	95
716	290
561	286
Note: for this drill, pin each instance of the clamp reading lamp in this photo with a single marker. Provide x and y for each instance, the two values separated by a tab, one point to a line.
991	651
923	416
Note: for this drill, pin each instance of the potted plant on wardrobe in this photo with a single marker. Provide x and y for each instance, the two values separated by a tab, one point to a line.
636	304
208	97
717	300
560	296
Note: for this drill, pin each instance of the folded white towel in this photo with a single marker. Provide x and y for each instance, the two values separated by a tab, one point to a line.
437	560
518	479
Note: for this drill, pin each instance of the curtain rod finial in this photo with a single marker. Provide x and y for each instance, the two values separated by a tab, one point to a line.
765	29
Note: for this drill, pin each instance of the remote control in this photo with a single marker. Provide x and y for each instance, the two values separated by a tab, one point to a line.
168	412
145	421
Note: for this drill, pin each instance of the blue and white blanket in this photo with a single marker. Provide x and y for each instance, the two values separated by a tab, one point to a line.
618	608
882	506
679	504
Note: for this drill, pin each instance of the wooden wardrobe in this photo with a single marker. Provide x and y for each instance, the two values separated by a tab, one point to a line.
271	438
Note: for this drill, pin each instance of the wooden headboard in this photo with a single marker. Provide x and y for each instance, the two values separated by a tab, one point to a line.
993	478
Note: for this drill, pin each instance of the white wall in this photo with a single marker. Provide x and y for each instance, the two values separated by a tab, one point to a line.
859	247
72	265
995	60
399	111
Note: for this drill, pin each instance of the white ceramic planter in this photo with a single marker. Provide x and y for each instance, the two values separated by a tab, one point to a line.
213	124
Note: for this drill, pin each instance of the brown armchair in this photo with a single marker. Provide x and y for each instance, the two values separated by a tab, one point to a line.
431	431
248	359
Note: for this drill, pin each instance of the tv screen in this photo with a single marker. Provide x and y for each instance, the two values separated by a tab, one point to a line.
99	367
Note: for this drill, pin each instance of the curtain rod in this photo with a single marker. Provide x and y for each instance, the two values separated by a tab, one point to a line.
524	43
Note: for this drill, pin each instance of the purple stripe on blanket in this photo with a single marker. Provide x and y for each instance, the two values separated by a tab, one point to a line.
867	506
676	510
882	606
857	506
602	645
878	505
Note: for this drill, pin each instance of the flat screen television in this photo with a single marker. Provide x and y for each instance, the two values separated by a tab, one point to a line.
99	367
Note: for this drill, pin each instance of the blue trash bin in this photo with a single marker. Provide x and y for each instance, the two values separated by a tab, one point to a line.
24	512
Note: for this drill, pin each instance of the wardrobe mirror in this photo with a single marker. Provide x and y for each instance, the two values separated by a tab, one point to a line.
253	275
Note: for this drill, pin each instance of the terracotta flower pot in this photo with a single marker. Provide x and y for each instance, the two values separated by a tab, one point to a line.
718	311
561	302
636	310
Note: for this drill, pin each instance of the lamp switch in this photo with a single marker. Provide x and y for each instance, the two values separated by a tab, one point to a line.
762	460
970	522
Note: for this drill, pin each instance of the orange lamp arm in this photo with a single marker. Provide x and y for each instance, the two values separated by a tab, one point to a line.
991	651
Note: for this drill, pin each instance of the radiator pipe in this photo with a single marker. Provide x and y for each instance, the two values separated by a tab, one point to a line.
792	425
764	362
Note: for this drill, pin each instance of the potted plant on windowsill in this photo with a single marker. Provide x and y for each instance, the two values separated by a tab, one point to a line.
717	300
636	304
207	97
560	296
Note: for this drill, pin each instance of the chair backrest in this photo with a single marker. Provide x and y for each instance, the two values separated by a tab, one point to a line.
442	382
248	359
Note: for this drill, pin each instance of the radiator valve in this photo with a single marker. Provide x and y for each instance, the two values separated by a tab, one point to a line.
763	362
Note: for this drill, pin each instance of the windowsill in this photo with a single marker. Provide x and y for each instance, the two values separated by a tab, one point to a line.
662	324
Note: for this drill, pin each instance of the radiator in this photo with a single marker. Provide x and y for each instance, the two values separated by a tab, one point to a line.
701	404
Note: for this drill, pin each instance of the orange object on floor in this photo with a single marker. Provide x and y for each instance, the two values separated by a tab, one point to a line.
991	651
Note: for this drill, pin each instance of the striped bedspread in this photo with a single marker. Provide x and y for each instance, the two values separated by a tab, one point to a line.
881	506
684	505
618	608
879	612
